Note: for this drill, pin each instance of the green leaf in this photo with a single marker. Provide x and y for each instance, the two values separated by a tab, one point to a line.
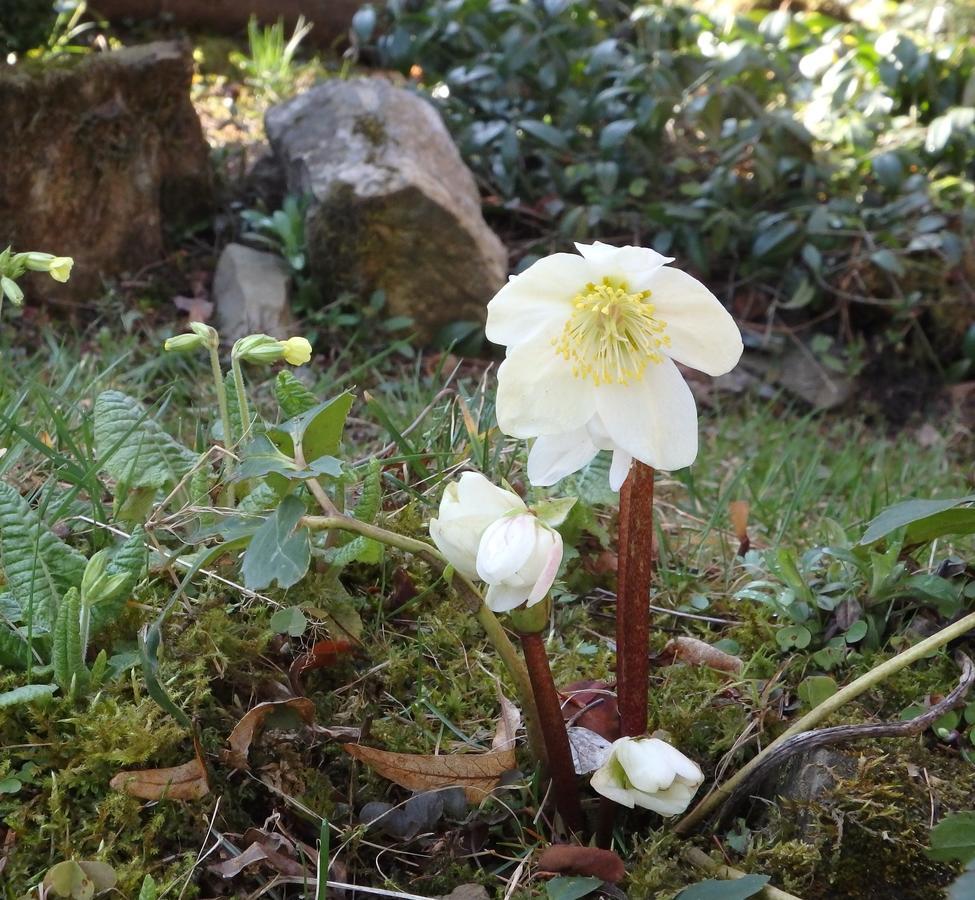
27	693
318	430
856	632
148	889
888	261
953	838
293	397
615	133
544	133
964	887
359	549
370	499
67	654
133	448
553	512
262	458
279	550
797	636
815	689
290	620
924	520
732	889
774	238
149	640
14	650
38	567
571	887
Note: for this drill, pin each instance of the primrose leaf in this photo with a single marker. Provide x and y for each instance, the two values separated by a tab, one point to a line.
293	397
924	520
133	448
14	651
39	567
26	693
279	550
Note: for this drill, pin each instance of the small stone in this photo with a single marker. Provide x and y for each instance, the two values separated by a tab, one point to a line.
250	290
803	376
392	206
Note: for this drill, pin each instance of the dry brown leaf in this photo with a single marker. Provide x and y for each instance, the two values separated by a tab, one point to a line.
592	704
322	655
698	653
508	725
270	848
476	773
247	729
570	859
186	782
738	512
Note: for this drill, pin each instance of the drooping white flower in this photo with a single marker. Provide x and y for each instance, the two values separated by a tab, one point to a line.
487	532
467	508
591	345
517	558
650	773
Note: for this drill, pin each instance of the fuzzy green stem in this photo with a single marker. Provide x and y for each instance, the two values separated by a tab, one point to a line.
242	406
472	599
825	709
228	435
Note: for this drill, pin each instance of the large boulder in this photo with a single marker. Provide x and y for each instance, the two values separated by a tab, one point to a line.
391	204
96	156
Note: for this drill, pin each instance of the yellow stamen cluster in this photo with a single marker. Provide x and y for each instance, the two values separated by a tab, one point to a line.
612	335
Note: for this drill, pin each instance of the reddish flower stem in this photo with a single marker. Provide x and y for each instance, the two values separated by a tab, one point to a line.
562	771
633	599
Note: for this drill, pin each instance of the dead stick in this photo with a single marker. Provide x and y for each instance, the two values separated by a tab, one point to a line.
633	599
845	734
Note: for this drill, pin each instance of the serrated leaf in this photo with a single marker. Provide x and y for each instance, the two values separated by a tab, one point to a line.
279	550
27	693
14	650
293	397
39	568
591	484
370	499
133	448
67	654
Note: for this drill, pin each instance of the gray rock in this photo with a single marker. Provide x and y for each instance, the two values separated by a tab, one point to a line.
250	292
808	779
97	155
392	205
802	375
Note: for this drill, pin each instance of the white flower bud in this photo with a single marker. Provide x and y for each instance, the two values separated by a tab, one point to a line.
518	558
650	773
467	508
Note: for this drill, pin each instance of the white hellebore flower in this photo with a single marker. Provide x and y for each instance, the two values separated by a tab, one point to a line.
591	344
487	532
650	773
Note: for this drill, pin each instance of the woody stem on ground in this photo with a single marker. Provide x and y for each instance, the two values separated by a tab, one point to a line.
633	599
866	681
213	347
471	598
560	766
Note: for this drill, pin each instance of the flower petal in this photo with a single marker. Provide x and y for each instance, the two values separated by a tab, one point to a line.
635	265
537	302
553	456
476	493
685	769
670	802
457	544
653	419
608	780
505	547
619	469
551	567
503	598
647	769
703	334
538	394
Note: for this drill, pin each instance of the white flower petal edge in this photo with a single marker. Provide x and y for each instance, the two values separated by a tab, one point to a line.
552	457
518	558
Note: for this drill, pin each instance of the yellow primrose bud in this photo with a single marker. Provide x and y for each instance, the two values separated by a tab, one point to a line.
11	290
36	262
184	343
297	351
60	268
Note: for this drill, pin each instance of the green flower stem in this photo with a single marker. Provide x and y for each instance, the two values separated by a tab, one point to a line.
228	435
472	599
245	413
825	709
